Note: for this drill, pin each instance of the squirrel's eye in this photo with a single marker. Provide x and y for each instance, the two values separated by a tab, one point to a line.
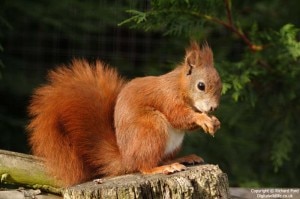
201	86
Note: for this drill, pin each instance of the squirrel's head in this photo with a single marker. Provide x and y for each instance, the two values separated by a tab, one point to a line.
202	81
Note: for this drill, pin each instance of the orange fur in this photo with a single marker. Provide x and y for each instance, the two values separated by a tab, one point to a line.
86	122
72	116
147	107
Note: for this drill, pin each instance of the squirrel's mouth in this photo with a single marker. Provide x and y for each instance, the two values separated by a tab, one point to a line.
200	109
196	109
204	106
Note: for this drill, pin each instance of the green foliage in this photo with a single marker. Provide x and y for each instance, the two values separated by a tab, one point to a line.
260	106
178	16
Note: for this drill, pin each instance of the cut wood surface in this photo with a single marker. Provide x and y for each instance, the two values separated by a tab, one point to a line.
201	181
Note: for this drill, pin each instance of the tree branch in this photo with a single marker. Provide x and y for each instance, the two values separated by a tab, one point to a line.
228	25
232	28
228	11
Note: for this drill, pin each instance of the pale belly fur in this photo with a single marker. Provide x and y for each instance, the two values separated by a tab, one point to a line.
175	139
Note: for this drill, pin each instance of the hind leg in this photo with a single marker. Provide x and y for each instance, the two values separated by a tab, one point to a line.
187	160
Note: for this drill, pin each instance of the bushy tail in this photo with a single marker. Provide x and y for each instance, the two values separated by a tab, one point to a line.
72	122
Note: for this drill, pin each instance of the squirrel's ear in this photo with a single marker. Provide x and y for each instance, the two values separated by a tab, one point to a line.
192	57
190	62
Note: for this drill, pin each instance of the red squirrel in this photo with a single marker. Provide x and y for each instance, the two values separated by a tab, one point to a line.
88	122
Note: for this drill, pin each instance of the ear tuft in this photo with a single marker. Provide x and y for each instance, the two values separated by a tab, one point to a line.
194	46
206	55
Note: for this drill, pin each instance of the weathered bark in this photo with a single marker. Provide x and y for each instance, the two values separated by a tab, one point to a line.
202	181
27	170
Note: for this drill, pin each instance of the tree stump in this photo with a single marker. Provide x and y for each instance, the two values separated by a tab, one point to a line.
201	181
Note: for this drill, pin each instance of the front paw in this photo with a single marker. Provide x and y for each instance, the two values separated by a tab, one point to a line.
209	124
216	122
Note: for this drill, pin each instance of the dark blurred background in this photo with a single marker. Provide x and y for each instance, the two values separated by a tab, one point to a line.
256	148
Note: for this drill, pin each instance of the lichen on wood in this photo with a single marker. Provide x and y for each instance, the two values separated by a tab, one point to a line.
27	170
